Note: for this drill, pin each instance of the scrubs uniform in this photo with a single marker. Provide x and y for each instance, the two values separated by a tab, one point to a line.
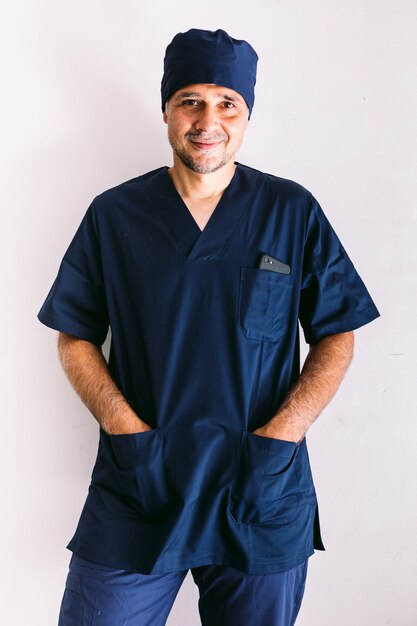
204	346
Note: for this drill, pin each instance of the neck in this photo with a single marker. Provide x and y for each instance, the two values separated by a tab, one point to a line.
196	186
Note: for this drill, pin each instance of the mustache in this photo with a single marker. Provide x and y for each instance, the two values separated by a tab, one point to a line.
201	137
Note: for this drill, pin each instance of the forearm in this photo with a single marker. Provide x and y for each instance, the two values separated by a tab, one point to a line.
86	369
322	373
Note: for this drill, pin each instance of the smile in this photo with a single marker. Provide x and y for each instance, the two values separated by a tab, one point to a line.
204	146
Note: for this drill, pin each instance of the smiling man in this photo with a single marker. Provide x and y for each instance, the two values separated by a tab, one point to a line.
206	125
203	271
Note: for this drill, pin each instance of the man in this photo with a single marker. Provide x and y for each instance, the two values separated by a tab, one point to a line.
202	271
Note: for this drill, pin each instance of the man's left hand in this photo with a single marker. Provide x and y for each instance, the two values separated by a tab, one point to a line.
278	432
322	373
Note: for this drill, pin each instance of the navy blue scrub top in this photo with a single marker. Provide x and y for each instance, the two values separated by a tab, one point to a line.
204	346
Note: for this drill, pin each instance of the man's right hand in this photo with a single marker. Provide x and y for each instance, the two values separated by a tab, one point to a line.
134	428
87	370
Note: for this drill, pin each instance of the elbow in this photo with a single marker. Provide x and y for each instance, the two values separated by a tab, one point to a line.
342	343
71	346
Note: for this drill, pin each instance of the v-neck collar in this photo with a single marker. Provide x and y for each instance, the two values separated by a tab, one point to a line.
206	244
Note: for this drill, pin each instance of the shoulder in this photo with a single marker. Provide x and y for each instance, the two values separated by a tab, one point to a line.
276	186
127	190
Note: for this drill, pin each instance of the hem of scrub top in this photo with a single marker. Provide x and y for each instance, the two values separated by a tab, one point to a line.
266	566
261	566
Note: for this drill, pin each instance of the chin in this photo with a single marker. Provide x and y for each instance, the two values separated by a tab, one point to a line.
205	166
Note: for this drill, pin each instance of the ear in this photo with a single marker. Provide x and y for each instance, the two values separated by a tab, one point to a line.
165	114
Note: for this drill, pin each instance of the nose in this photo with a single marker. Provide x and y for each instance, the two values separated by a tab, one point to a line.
207	119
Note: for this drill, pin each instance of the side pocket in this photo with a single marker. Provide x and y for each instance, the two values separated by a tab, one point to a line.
140	488
266	487
71	610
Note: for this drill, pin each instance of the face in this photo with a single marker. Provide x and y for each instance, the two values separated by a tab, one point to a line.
206	125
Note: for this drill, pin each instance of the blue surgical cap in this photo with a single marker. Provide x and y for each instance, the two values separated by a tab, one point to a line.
212	57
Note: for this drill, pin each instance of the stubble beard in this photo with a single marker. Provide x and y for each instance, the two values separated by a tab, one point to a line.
212	165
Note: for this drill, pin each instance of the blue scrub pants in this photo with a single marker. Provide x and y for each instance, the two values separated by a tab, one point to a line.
96	595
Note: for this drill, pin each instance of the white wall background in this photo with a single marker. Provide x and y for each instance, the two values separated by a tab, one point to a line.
336	111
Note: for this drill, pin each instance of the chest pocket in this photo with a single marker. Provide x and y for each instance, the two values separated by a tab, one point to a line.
264	303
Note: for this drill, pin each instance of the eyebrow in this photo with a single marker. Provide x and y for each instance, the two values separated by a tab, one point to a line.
196	94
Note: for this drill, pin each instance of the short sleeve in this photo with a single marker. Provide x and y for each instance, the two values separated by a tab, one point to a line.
76	303
333	297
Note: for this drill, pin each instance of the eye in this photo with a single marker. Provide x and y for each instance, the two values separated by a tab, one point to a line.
190	102
228	105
